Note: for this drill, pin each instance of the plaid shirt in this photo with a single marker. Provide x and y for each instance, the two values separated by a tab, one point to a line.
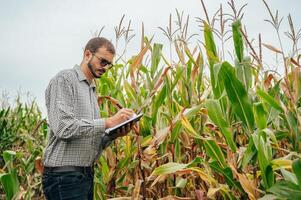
76	131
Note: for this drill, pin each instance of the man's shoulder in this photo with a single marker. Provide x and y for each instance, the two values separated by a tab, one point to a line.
66	74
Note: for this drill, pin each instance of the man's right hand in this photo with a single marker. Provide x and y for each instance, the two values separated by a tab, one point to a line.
121	116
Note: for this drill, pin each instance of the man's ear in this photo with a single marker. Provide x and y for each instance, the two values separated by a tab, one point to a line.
87	55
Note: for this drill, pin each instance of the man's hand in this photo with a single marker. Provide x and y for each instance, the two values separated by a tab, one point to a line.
121	116
124	130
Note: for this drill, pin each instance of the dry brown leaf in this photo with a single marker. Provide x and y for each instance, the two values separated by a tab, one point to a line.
180	53
170	197
268	81
185	140
159	179
39	165
150	153
248	185
160	80
202	174
295	62
114	102
285	89
137	61
200	195
111	157
272	48
136	192
196	68
160	136
211	192
296	75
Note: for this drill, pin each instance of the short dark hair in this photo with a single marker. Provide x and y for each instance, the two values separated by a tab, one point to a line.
98	42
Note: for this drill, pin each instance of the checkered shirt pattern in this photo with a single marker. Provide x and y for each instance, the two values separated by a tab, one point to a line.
75	132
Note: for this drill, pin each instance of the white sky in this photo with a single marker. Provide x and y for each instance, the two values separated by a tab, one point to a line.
39	38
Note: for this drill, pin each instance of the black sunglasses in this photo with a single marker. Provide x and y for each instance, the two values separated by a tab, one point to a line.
103	62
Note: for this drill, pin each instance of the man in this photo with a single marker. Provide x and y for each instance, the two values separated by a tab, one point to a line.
76	131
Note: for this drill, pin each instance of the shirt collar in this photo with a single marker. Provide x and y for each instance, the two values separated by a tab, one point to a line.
81	76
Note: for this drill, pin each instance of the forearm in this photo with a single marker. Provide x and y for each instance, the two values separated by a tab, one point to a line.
69	128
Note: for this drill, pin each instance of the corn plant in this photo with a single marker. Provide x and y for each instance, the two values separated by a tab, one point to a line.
23	134
213	127
228	135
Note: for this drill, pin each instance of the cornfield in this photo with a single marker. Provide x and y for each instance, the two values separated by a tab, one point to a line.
211	129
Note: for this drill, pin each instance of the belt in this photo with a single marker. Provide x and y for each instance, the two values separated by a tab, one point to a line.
68	169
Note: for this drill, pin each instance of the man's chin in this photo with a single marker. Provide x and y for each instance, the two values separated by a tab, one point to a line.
97	75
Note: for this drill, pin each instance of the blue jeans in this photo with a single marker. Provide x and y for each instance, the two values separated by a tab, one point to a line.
68	185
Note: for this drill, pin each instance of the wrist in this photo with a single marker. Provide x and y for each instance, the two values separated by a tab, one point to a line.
108	123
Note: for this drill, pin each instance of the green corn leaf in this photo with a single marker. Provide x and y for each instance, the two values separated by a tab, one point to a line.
188	70
237	95
210	44
178	152
214	152
227	173
286	190
156	56
145	125
30	162
130	92
124	162
10	184
212	57
244	72
190	130
237	39
173	167
104	169
297	170
9	156
293	125
157	104
181	182
269	197
270	175
288	176
175	131
179	73
215	114
200	62
216	69
264	159
269	99
260	115
249	153
188	113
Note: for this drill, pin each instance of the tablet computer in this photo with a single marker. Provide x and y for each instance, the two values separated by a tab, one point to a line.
113	130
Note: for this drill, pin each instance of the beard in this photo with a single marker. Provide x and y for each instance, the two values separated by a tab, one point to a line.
93	71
